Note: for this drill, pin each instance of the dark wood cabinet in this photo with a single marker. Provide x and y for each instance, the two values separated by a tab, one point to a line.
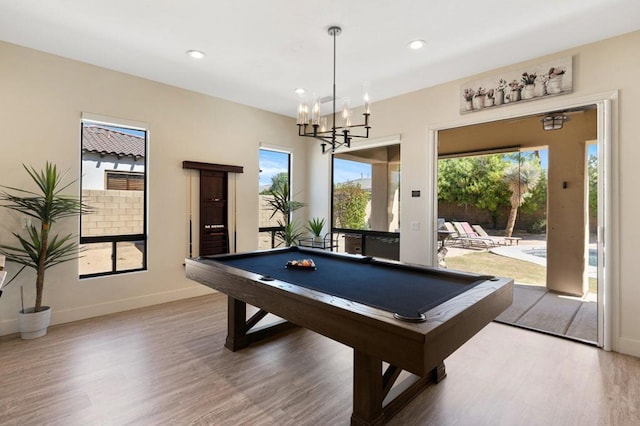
214	232
214	206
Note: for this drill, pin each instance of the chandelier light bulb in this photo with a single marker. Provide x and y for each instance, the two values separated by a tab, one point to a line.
346	113
315	111
303	112
366	86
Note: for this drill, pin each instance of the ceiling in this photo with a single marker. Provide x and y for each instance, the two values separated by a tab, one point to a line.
258	52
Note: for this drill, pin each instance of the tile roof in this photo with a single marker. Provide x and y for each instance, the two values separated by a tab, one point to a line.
107	141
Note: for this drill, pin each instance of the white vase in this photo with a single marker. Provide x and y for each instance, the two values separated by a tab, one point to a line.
514	95
478	102
34	324
528	92
541	88
489	102
468	105
499	96
554	85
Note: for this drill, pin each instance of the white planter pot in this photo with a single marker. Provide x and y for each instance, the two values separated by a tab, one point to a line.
528	92
478	102
34	324
554	85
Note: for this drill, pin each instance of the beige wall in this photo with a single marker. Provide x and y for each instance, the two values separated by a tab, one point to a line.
43	97
600	69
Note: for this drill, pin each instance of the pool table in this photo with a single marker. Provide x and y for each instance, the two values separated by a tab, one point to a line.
409	317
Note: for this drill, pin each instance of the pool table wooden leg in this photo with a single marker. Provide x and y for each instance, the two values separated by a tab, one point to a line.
368	391
241	332
375	400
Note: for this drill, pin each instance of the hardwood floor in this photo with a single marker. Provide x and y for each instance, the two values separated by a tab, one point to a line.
166	365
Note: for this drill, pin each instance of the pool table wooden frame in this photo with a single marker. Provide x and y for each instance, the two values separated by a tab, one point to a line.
374	334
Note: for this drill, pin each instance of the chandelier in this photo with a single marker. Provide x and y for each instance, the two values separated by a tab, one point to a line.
315	126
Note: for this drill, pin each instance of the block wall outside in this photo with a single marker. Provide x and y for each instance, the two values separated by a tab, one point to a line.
265	213
115	212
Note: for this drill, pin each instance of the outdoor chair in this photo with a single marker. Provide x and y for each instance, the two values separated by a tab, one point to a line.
454	237
471	237
501	241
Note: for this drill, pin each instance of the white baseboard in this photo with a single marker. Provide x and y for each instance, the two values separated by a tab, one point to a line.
99	309
628	346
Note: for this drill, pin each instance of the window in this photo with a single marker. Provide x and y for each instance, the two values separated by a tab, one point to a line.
366	189
113	236
123	181
274	175
366	200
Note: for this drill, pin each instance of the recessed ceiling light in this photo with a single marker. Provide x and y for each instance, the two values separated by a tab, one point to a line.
196	54
300	91
416	44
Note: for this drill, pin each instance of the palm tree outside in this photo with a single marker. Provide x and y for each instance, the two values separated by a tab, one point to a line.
521	178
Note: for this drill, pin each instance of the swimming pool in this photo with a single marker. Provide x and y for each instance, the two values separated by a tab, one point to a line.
542	252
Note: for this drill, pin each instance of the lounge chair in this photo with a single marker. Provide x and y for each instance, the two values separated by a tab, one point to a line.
454	237
501	241
471	237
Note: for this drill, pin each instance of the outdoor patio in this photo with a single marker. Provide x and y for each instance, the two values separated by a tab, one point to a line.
534	307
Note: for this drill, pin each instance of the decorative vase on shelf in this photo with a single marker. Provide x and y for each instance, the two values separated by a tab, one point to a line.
489	102
468	105
555	84
514	96
499	97
528	92
541	89
478	102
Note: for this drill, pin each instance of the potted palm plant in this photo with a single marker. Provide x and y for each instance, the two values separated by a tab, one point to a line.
315	226
40	249
281	203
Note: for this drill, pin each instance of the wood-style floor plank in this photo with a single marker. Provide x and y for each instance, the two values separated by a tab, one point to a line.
166	365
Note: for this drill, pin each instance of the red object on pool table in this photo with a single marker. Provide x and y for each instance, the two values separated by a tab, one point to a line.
357	301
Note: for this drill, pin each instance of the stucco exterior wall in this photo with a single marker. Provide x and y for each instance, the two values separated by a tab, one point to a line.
94	167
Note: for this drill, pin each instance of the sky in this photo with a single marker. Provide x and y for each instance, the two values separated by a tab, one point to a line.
345	170
272	163
544	155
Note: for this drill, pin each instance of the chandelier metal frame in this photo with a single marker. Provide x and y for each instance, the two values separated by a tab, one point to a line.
336	136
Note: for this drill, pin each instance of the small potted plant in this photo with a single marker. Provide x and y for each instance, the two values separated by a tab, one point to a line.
515	87
315	226
555	80
490	98
468	98
40	249
528	81
541	86
499	91
479	98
